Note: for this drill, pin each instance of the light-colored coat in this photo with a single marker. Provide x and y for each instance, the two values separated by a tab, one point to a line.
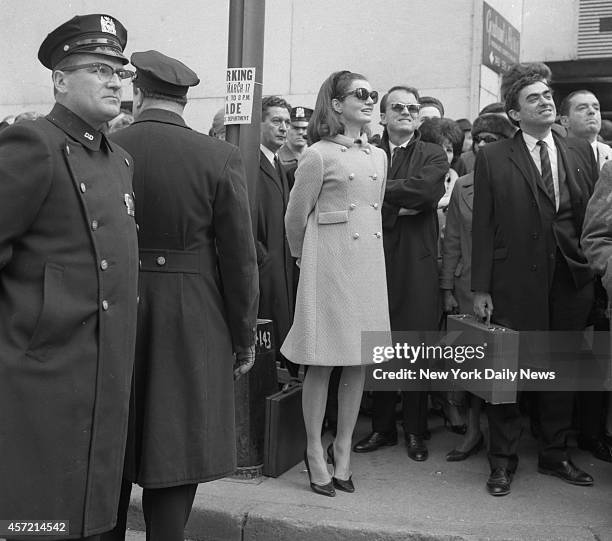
334	226
604	154
457	245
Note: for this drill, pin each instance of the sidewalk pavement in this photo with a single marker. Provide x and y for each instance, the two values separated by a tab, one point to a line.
399	499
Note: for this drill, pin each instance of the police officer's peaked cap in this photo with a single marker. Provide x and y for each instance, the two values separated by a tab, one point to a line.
93	34
301	114
160	73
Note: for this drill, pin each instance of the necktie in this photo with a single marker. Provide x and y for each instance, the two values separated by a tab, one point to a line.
547	176
277	167
395	154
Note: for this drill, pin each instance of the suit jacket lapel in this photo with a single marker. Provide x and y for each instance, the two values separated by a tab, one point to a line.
270	173
577	192
519	155
467	194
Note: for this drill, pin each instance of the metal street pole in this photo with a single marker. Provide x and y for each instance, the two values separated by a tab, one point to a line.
245	50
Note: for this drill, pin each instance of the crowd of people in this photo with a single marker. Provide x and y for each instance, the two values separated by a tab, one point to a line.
131	280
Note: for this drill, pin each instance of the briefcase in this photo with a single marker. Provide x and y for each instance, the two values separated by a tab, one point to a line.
285	434
500	359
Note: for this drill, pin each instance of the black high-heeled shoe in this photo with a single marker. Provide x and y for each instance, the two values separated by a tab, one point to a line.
340	484
456	455
325	490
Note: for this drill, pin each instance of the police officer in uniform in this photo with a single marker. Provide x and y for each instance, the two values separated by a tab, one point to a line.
198	300
68	290
296	142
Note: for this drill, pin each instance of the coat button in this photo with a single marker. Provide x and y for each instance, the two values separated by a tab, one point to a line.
342	149
94	225
366	150
83	187
104	264
140	263
127	162
355	235
534	267
378	234
67	150
105	305
352	176
352	206
534	236
161	260
375	205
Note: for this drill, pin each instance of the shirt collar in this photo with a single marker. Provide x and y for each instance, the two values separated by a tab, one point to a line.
531	141
268	153
77	128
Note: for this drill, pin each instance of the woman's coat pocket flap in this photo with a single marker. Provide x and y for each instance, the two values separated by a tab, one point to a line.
333	217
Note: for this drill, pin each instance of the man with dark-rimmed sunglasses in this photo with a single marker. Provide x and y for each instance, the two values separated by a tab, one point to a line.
68	290
415	183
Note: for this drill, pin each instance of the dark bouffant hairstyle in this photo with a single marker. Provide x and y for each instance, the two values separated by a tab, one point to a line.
325	121
517	71
436	130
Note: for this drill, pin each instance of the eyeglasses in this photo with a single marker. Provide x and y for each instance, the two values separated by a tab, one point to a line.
104	71
486	139
412	108
363	94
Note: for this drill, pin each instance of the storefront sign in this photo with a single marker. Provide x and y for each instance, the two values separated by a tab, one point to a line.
501	42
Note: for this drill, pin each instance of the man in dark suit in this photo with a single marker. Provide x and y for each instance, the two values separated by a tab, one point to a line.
415	184
68	289
276	266
528	271
198	300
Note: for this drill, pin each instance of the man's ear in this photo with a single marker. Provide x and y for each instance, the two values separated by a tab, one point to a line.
60	81
383	119
514	115
564	119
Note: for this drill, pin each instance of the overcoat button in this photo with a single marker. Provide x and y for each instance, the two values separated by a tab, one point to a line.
161	260
342	149
355	235
352	206
534	267
94	225
378	234
374	176
83	187
352	176
104	264
366	150
104	305
140	263
534	236
375	205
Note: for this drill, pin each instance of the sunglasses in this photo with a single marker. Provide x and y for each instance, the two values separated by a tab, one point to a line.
363	94
487	139
412	108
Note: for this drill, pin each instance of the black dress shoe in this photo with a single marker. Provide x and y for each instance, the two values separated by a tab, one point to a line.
597	446
499	481
417	450
566	470
456	456
374	441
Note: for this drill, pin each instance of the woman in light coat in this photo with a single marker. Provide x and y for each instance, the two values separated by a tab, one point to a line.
334	228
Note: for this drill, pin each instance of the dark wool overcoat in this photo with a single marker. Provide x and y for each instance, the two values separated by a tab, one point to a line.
415	184
276	266
198	300
68	297
513	246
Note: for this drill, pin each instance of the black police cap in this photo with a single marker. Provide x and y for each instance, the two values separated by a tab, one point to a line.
160	73
301	114
93	34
